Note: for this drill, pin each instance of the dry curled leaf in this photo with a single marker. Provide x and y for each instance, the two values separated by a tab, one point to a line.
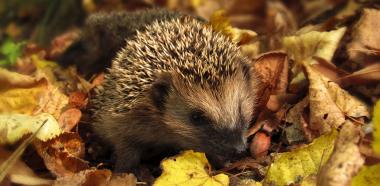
369	74
62	154
69	119
323	92
365	42
13	79
272	69
298	130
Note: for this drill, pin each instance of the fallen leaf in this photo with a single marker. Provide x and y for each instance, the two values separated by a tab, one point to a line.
14	126
78	100
291	167
376	128
85	177
53	102
345	161
367	176
13	79
246	39
189	168
69	119
365	41
280	21
302	48
62	42
298	130
249	182
62	154
329	70
6	166
22	100
323	92
369	74
272	69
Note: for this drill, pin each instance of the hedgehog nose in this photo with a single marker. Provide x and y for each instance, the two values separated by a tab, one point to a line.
241	147
240	151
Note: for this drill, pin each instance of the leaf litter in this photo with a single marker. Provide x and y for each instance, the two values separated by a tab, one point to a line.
318	63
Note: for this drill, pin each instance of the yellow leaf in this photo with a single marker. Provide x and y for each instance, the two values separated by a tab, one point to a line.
15	126
245	38
302	48
368	176
189	168
292	167
321	44
249	182
376	128
21	100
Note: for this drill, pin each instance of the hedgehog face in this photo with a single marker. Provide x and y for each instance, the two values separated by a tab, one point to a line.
212	119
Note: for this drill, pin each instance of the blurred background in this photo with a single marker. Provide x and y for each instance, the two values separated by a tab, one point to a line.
42	20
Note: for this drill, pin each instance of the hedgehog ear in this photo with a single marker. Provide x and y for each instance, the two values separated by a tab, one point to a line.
160	89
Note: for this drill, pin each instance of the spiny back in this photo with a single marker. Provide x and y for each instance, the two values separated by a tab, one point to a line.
185	46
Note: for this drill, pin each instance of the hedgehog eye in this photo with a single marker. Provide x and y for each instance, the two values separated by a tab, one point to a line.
198	117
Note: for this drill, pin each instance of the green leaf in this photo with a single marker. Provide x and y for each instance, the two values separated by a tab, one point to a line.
10	52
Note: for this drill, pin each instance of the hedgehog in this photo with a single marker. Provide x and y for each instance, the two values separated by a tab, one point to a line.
175	84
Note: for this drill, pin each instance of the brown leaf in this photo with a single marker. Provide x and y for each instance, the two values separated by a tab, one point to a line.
328	70
78	100
276	102
279	22
324	113
13	79
365	42
69	119
53	101
62	42
272	69
90	177
62	155
369	74
345	160
298	131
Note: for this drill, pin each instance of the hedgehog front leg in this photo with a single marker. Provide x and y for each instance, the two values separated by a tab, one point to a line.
127	158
